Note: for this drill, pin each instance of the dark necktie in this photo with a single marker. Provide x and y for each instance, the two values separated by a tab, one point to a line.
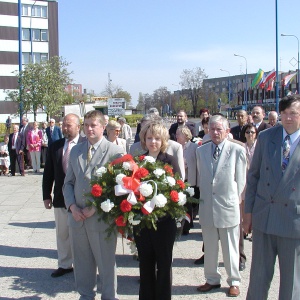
216	153
286	147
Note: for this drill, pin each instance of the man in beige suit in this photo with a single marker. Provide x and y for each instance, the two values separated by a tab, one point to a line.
90	247
221	168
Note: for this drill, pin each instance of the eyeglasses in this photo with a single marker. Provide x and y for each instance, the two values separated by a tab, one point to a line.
252	132
117	130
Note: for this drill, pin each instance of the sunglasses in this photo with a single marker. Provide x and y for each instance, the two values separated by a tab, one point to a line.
248	132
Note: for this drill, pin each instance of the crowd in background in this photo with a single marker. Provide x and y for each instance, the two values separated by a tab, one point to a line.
212	157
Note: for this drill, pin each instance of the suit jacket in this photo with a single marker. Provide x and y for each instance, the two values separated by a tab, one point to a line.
34	139
190	158
174	149
273	198
19	146
77	180
238	133
24	134
219	192
54	173
263	126
56	134
174	127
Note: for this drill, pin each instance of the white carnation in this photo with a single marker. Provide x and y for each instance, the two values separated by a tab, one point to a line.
127	166
160	200
119	178
158	172
146	189
182	198
191	191
101	171
171	181
107	205
149	159
131	221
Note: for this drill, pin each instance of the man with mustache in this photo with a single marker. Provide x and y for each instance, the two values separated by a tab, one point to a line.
258	114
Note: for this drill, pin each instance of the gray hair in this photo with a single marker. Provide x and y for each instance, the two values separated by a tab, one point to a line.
153	110
219	119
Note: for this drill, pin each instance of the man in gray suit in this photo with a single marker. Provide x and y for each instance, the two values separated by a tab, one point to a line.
90	247
221	178
272	205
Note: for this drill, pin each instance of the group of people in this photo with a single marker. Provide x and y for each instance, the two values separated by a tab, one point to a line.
27	146
242	176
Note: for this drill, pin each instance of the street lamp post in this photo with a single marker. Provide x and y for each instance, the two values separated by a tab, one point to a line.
228	85
246	92
298	88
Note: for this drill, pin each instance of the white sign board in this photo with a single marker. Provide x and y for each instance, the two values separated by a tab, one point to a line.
116	106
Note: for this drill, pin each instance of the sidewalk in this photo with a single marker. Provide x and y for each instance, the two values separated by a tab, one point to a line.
28	253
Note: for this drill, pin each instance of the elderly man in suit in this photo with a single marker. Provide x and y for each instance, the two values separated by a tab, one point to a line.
221	168
53	132
15	147
181	121
273	118
174	148
54	173
90	246
272	205
237	131
258	114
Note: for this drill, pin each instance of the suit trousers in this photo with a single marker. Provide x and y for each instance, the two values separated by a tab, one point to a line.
265	249
63	242
155	248
35	160
92	249
229	238
14	157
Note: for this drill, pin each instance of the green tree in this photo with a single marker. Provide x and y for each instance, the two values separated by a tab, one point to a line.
116	91
42	85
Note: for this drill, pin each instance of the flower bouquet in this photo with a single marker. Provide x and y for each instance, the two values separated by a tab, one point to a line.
133	193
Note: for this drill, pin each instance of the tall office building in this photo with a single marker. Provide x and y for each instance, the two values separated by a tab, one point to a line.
39	35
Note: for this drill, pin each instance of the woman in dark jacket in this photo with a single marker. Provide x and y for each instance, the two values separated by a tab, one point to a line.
155	247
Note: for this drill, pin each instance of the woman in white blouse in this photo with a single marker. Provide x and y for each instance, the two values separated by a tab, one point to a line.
113	129
4	157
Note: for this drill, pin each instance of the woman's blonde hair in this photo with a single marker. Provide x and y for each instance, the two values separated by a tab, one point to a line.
186	132
157	129
112	125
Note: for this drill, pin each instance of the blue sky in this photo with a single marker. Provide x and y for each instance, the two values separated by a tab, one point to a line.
145	44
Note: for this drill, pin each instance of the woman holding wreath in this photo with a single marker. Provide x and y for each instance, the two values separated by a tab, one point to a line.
155	247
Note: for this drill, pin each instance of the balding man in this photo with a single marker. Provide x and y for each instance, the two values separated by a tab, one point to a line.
237	131
54	174
258	114
273	118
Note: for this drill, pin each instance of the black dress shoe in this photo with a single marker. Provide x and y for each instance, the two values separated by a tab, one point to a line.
199	261
60	272
242	266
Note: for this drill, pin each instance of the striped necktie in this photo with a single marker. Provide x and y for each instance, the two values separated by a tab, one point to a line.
286	147
89	154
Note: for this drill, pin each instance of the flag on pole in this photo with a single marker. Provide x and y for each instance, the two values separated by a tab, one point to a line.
271	85
267	77
288	79
257	78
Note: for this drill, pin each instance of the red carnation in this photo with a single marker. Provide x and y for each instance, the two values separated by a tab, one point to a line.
120	221
144	211
142	157
141	173
180	183
174	196
96	190
125	206
168	169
